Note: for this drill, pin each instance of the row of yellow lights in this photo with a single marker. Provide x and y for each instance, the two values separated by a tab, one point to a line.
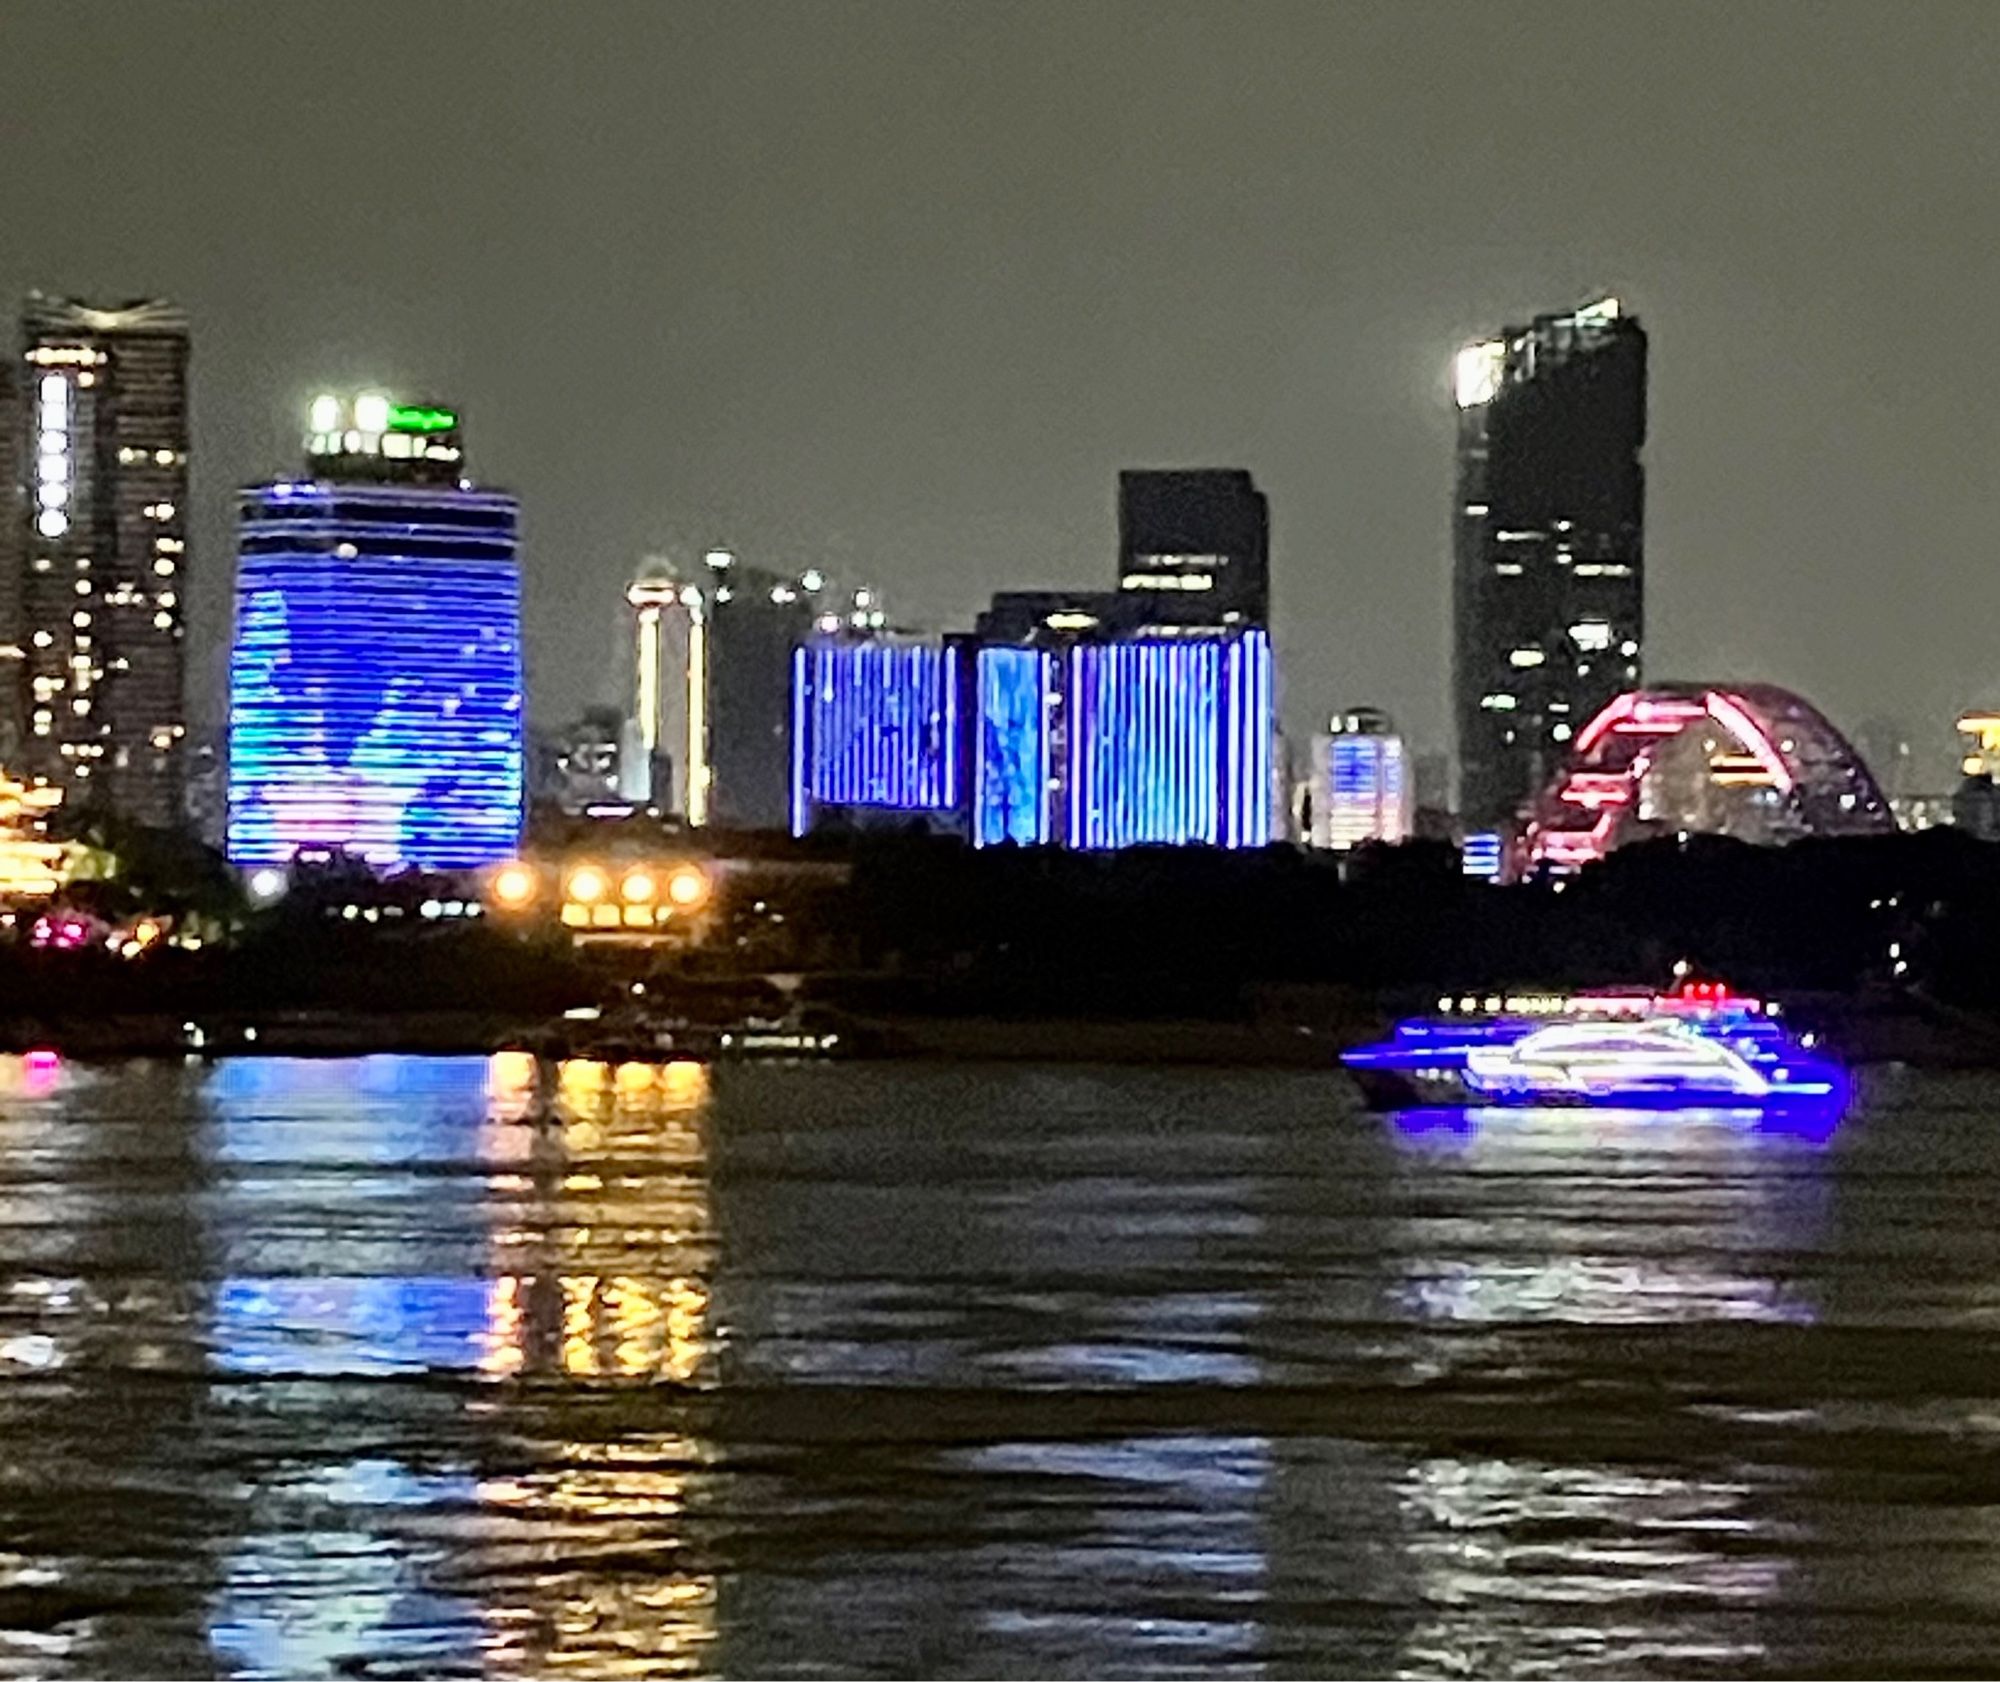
685	887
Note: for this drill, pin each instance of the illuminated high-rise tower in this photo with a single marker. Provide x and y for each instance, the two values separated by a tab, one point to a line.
1548	572
669	755
375	676
97	546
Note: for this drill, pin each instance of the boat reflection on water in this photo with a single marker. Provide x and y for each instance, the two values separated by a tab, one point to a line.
1445	1125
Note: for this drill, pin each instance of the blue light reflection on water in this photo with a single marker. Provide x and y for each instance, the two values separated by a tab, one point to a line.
1441	1126
392	1275
343	1578
1511	1391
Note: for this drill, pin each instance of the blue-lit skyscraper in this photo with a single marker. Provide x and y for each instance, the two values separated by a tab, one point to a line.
375	677
1012	752
1168	740
875	725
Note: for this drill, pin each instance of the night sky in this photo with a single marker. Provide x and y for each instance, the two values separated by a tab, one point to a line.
896	289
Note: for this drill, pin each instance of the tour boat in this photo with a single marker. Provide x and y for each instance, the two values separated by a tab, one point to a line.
1700	1046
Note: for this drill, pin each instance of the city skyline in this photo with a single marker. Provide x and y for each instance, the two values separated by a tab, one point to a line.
934	389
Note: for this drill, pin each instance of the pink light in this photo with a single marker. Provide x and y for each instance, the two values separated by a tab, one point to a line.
1594	731
1596	789
1728	713
42	1057
1636	713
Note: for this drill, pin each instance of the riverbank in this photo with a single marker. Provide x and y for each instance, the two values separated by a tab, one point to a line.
1284	1030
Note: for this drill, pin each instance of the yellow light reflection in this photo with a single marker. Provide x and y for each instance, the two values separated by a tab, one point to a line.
603	1255
512	1082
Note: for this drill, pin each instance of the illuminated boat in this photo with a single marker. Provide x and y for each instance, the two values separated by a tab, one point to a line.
1698	1047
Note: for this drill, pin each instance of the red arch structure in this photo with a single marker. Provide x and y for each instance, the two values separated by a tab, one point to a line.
1781	742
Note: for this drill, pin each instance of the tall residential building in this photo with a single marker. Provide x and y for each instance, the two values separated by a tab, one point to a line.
375	677
1360	789
1548	552
1194	546
96	549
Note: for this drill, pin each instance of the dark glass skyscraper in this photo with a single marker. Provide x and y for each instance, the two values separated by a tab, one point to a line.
1194	546
97	543
755	620
1548	585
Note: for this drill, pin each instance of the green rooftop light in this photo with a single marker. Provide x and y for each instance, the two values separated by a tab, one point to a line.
406	417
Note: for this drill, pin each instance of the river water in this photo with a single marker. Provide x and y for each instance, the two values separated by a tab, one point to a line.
409	1366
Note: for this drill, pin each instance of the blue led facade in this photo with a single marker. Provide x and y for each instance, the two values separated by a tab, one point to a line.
375	676
1011	763
1169	741
874	724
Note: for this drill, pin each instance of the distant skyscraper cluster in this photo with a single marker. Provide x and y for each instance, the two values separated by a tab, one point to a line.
376	688
1141	715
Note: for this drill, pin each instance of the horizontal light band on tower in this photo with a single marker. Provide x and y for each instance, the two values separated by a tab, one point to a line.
375	680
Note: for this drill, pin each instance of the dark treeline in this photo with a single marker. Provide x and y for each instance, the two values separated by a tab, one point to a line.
1174	929
927	923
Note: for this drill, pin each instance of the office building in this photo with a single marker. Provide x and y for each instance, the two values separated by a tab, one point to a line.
1167	741
1360	787
1194	548
1548	548
96	551
875	730
1013	745
756	618
375	677
1101	744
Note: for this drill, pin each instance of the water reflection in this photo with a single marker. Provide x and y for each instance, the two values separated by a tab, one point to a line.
442	1366
468	1216
1530	1228
1639	1570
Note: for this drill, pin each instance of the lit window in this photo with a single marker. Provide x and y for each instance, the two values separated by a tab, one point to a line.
1526	657
1499	703
1593	635
163	621
164	568
1561	732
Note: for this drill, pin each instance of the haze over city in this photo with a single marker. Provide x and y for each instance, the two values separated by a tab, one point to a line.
896	290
